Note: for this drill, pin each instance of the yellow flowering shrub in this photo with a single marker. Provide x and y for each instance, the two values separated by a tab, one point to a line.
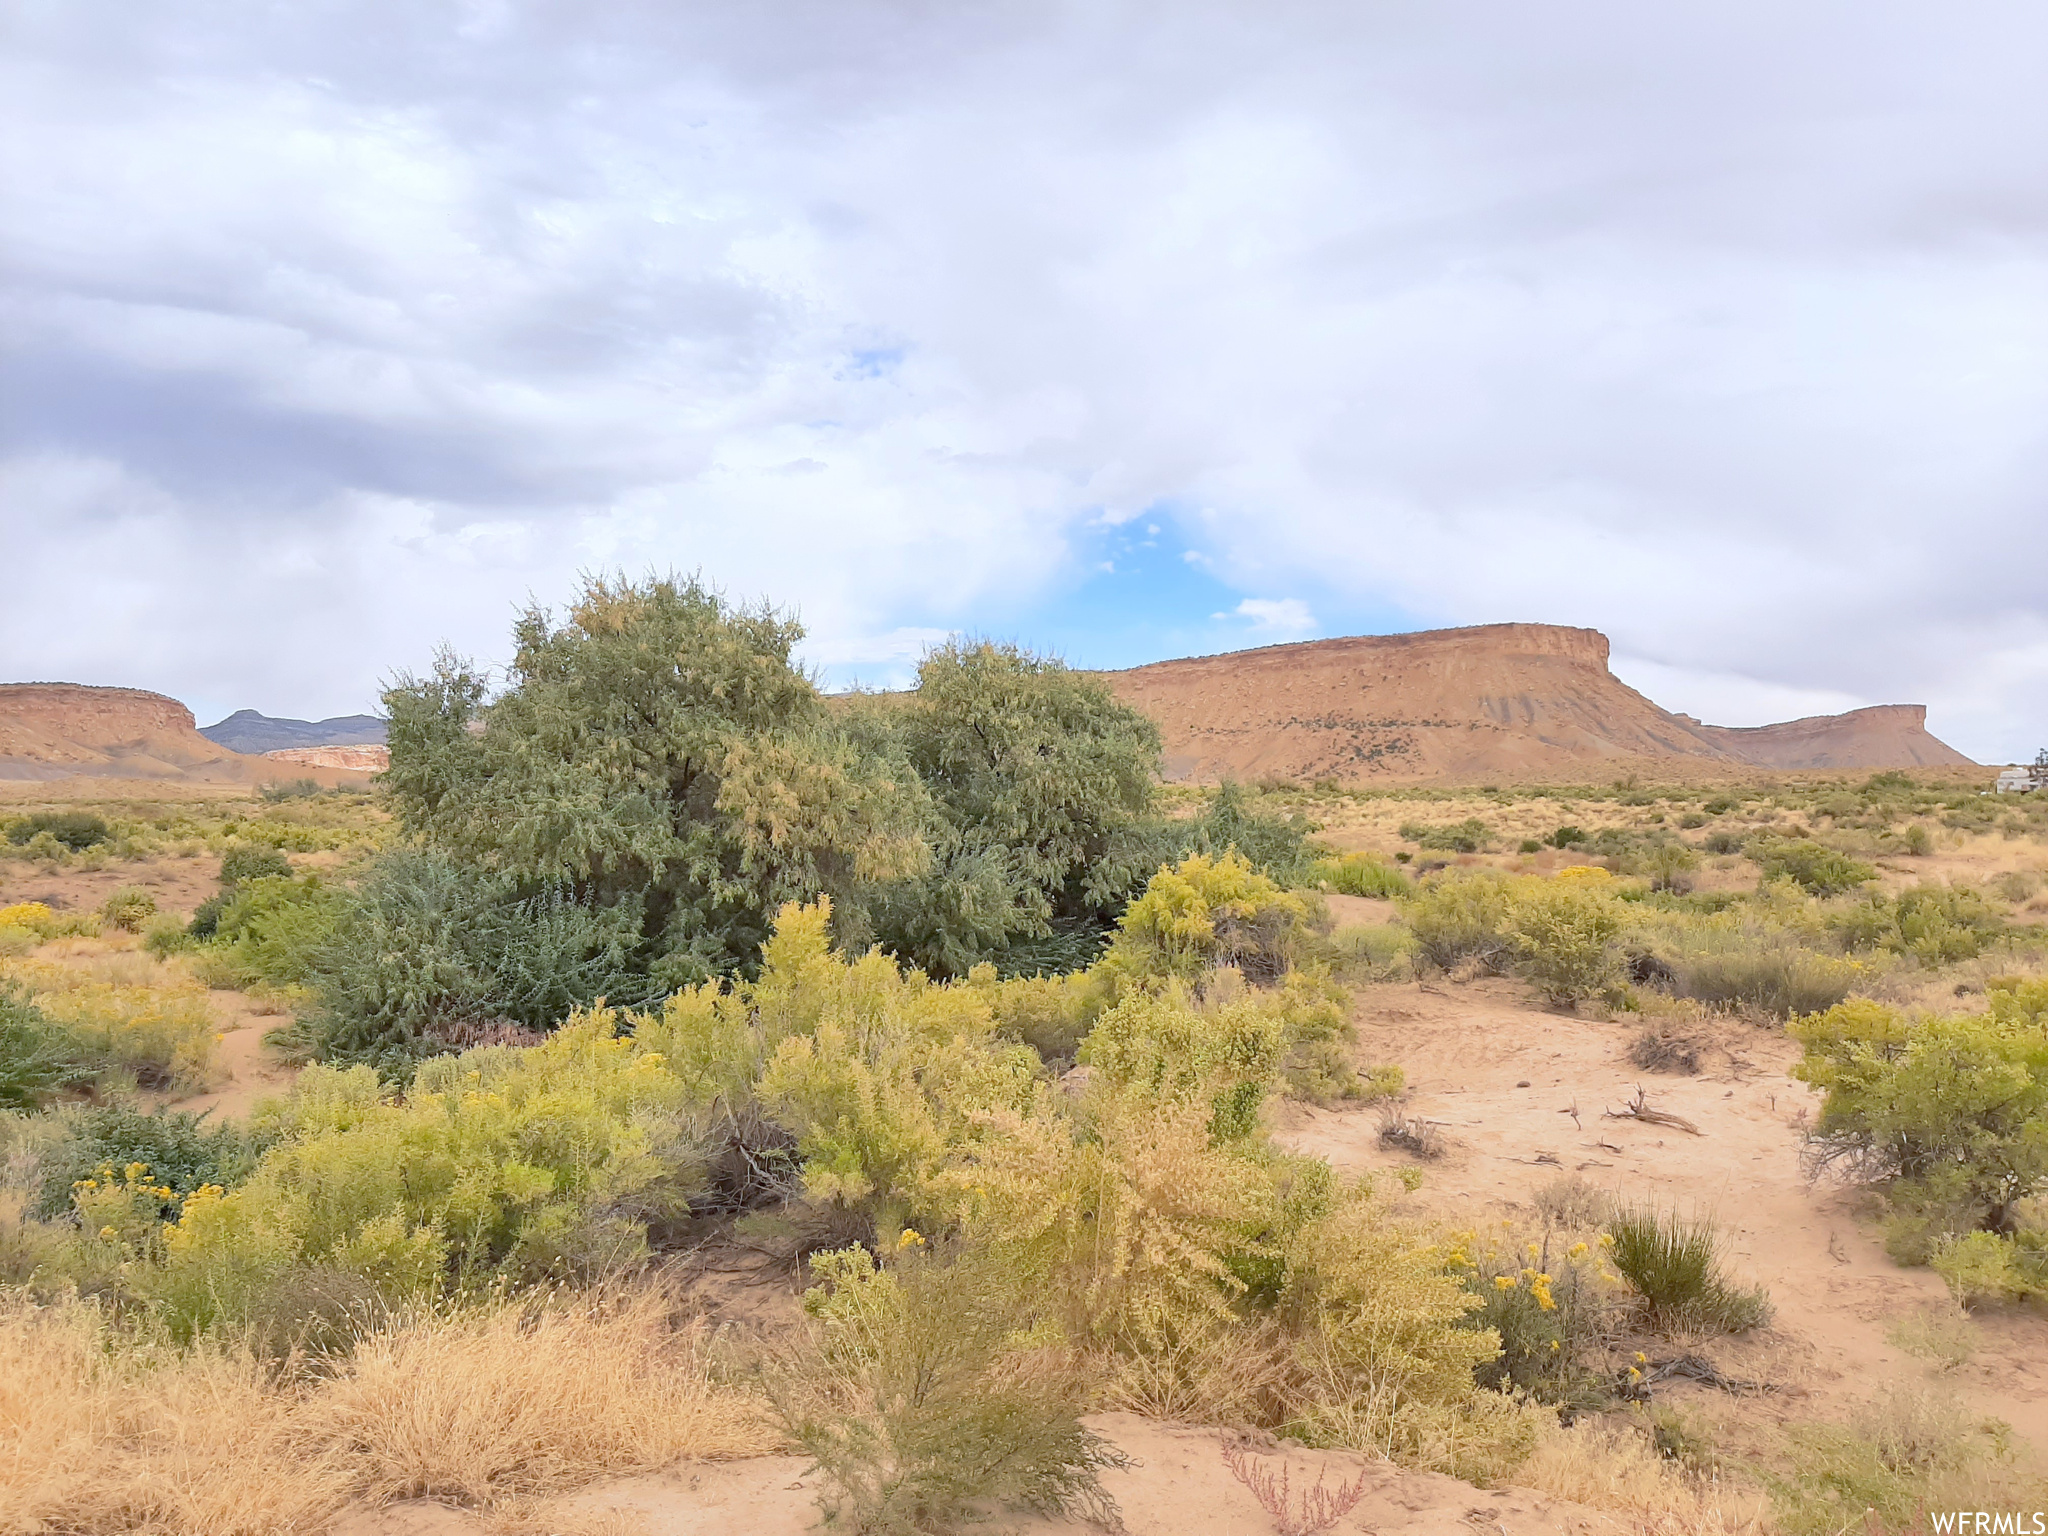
550	1160
1549	1298
162	1034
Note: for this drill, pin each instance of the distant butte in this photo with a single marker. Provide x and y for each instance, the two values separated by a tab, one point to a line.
1520	701
63	730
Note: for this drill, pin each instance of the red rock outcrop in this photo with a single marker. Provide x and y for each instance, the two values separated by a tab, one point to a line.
368	756
57	730
1515	701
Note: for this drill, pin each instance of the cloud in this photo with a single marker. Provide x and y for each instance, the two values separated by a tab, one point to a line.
330	332
1285	618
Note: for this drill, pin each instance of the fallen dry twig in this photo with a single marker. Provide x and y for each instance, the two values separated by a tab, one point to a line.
1639	1109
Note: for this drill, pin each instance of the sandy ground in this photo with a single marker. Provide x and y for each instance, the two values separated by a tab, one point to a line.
178	884
1501	1079
1177	1485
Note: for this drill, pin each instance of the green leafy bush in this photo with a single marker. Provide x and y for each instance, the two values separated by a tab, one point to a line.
1468	836
1738	961
1566	937
1946	1111
252	861
1547	1301
923	1403
1673	1265
128	909
1204	914
1361	874
76	830
38	1058
1459	915
180	1151
1815	867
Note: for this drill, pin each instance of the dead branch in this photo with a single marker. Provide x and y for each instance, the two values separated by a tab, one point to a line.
1321	1507
1639	1109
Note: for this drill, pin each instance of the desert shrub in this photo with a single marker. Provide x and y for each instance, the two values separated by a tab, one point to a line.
1360	874
1566	837
1566	937
1989	1266
178	1150
277	930
1723	840
252	861
657	754
1468	836
1572	1203
165	936
1548	1303
38	1058
1903	1451
128	909
426	946
542	1162
1670	866
75	830
2017	885
1752	965
36	918
1815	867
1935	924
291	789
1202	915
1673	1265
1378	952
1273	843
1051	1014
161	1035
921	1401
1941	1334
1944	1111
1460	915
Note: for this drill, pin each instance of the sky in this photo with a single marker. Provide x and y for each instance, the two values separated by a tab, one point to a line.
330	333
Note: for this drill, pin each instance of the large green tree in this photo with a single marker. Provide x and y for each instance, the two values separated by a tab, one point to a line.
1041	783
656	754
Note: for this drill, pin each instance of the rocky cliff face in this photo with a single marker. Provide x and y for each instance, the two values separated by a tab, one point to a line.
54	730
1514	700
1882	736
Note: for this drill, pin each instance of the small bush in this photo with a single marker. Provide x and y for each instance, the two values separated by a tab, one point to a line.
1768	971
920	1403
76	830
162	1035
1360	874
1672	1264
1817	868
180	1151
1411	1134
128	909
291	789
1461	915
1723	841
1572	1203
1566	933
164	937
252	861
37	1057
1566	837
1546	1302
1468	836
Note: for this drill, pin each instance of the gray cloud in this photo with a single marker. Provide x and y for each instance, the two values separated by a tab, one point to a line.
332	331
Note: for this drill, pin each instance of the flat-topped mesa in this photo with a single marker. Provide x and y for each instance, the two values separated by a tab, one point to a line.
55	730
1513	700
1877	736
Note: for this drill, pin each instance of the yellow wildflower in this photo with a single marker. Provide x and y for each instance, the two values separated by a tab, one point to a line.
909	1239
1504	1282
1577	1251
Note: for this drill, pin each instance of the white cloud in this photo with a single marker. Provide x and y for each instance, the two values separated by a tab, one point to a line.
331	333
1285	618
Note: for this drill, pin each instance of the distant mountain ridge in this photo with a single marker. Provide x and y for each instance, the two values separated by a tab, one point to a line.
64	730
1509	700
248	730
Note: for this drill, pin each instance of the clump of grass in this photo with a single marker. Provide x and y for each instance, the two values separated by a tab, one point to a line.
1360	874
1411	1134
1674	1266
1573	1203
1941	1334
919	1403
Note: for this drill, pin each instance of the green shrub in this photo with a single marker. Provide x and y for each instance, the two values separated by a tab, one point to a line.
1672	1264
128	909
1565	935
1459	915
1722	840
922	1404
1468	836
252	861
1752	966
180	1151
38	1058
1204	914
1360	874
1670	866
291	789
165	936
1566	836
1935	924
1547	1302
1945	1111
76	830
1815	867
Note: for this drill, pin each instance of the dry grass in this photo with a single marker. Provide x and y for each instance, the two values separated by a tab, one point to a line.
100	1435
1605	1467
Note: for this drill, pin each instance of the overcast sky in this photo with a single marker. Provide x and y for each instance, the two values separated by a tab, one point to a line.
333	331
